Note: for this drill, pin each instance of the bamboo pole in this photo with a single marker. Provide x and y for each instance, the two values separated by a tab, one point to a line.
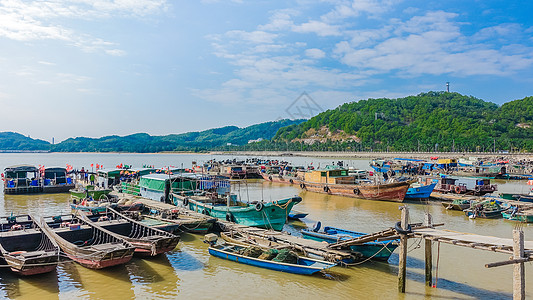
519	274
403	250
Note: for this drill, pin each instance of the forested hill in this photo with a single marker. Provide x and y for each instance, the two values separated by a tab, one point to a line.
191	141
428	121
13	141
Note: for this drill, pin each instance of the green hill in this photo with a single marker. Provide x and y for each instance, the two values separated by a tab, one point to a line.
191	141
428	121
17	141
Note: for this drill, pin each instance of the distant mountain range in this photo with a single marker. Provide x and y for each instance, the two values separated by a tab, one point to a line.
432	121
143	142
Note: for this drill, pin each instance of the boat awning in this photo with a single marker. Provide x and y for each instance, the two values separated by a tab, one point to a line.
21	168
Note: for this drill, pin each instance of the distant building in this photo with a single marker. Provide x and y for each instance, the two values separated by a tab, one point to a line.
255	141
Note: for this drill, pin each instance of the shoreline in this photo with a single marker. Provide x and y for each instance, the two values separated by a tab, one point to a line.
374	155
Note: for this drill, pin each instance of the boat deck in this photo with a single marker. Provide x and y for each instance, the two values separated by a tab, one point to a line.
310	246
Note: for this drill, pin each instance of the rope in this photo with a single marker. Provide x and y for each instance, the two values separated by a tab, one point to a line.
361	262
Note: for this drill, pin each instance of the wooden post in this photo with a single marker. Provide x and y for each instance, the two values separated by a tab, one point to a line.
403	250
519	274
428	250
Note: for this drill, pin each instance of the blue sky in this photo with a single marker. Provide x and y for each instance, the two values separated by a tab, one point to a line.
95	68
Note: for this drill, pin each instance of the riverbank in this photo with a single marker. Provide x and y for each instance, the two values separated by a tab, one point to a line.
374	155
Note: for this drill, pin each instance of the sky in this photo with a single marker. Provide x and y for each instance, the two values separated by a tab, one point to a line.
95	68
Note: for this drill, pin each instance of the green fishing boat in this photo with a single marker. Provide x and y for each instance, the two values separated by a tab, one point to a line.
89	190
457	204
269	215
516	214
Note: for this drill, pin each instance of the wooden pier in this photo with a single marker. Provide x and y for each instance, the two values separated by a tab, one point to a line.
521	250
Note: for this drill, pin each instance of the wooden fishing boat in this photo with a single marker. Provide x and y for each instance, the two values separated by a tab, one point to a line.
520	215
375	250
302	265
90	191
25	247
458	204
173	220
281	178
95	207
146	240
488	209
86	244
239	238
336	181
269	215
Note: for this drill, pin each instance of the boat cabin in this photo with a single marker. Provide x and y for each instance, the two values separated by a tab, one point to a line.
447	185
446	163
56	175
21	179
108	177
330	175
158	187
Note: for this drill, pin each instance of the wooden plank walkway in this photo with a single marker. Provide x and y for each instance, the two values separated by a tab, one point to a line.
310	246
475	241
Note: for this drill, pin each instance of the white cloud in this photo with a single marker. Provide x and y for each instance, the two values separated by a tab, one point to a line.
315	53
319	28
41	20
430	44
256	37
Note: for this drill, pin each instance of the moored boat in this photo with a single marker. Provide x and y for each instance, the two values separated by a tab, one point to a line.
21	179
56	180
458	204
518	214
336	181
297	215
90	191
376	250
100	206
269	215
419	191
283	260
488	209
25	247
147	241
85	244
173	220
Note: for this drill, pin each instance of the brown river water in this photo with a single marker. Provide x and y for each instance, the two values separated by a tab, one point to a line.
189	272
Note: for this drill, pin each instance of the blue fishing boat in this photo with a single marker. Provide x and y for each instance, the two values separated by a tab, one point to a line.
375	250
303	265
418	191
297	215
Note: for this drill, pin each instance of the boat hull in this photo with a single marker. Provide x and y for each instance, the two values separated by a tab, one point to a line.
526	218
280	179
95	194
452	206
272	215
380	251
272	265
394	192
422	192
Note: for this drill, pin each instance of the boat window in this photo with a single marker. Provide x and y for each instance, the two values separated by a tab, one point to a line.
323	174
